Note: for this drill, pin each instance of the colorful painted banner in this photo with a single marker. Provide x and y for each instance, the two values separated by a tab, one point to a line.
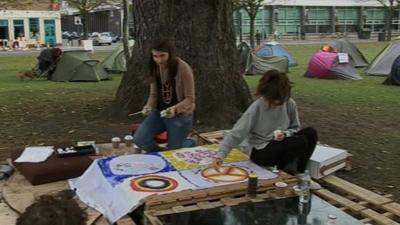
199	157
117	185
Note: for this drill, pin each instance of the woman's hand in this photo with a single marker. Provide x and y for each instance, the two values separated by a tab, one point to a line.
169	112
279	135
146	110
216	164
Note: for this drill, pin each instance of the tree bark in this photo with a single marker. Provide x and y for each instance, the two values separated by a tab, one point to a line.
252	21
85	26
125	32
389	21
203	33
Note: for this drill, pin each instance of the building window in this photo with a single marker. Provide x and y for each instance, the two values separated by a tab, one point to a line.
375	19
287	20
346	19
318	20
4	29
18	28
33	27
396	20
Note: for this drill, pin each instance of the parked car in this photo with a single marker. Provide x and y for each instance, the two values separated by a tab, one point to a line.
114	37
65	35
70	35
101	38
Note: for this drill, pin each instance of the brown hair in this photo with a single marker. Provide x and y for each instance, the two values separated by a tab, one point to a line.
59	209
172	64
327	48
274	86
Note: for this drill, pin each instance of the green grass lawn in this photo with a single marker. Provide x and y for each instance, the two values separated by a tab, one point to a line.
331	93
15	92
360	116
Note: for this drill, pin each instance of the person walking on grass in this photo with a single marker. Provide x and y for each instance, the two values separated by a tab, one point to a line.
271	126
258	37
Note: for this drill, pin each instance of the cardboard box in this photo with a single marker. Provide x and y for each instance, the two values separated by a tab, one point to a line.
326	160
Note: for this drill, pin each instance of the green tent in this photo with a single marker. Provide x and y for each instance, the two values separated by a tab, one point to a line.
116	60
78	66
259	65
356	56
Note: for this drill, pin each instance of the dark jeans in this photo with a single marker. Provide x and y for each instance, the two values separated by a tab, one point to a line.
280	153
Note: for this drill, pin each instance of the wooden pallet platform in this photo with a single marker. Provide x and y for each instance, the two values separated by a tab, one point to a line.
359	202
214	137
190	197
233	194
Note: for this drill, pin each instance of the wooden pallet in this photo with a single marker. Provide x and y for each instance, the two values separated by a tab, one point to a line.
359	202
233	194
214	137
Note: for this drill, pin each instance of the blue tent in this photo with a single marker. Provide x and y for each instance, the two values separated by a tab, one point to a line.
275	49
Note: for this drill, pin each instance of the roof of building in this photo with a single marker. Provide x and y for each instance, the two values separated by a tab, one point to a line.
41	5
323	2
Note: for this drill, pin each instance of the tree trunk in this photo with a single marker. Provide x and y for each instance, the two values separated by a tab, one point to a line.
125	32
204	37
85	21
252	20
389	23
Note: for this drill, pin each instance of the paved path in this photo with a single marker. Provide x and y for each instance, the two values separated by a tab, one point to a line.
35	52
109	48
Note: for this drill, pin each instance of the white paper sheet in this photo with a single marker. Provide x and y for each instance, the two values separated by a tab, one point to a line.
35	154
115	202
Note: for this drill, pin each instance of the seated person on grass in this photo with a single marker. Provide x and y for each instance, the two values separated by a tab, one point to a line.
171	100
272	128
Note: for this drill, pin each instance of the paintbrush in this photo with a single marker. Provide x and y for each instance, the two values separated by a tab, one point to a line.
135	113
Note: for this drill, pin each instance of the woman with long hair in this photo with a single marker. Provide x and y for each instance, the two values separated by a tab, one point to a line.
171	101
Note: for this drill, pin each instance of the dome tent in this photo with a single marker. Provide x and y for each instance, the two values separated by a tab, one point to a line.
325	65
77	66
343	45
259	65
116	61
382	64
275	49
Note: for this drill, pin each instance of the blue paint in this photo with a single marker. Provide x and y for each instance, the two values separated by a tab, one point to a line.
115	179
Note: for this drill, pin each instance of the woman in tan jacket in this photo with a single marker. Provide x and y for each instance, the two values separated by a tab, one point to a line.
171	101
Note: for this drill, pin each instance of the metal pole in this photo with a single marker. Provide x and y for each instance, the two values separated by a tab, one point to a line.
299	32
240	27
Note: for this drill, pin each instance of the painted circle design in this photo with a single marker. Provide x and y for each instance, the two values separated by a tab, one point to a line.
225	174
137	164
153	183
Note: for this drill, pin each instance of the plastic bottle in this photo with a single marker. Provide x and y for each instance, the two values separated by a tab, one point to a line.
305	181
252	185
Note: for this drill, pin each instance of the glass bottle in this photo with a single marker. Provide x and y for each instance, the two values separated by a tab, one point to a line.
305	181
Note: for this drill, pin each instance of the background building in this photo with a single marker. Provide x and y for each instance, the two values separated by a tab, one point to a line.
101	20
302	18
40	16
105	18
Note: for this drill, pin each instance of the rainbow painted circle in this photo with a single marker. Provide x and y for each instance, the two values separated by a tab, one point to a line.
153	183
